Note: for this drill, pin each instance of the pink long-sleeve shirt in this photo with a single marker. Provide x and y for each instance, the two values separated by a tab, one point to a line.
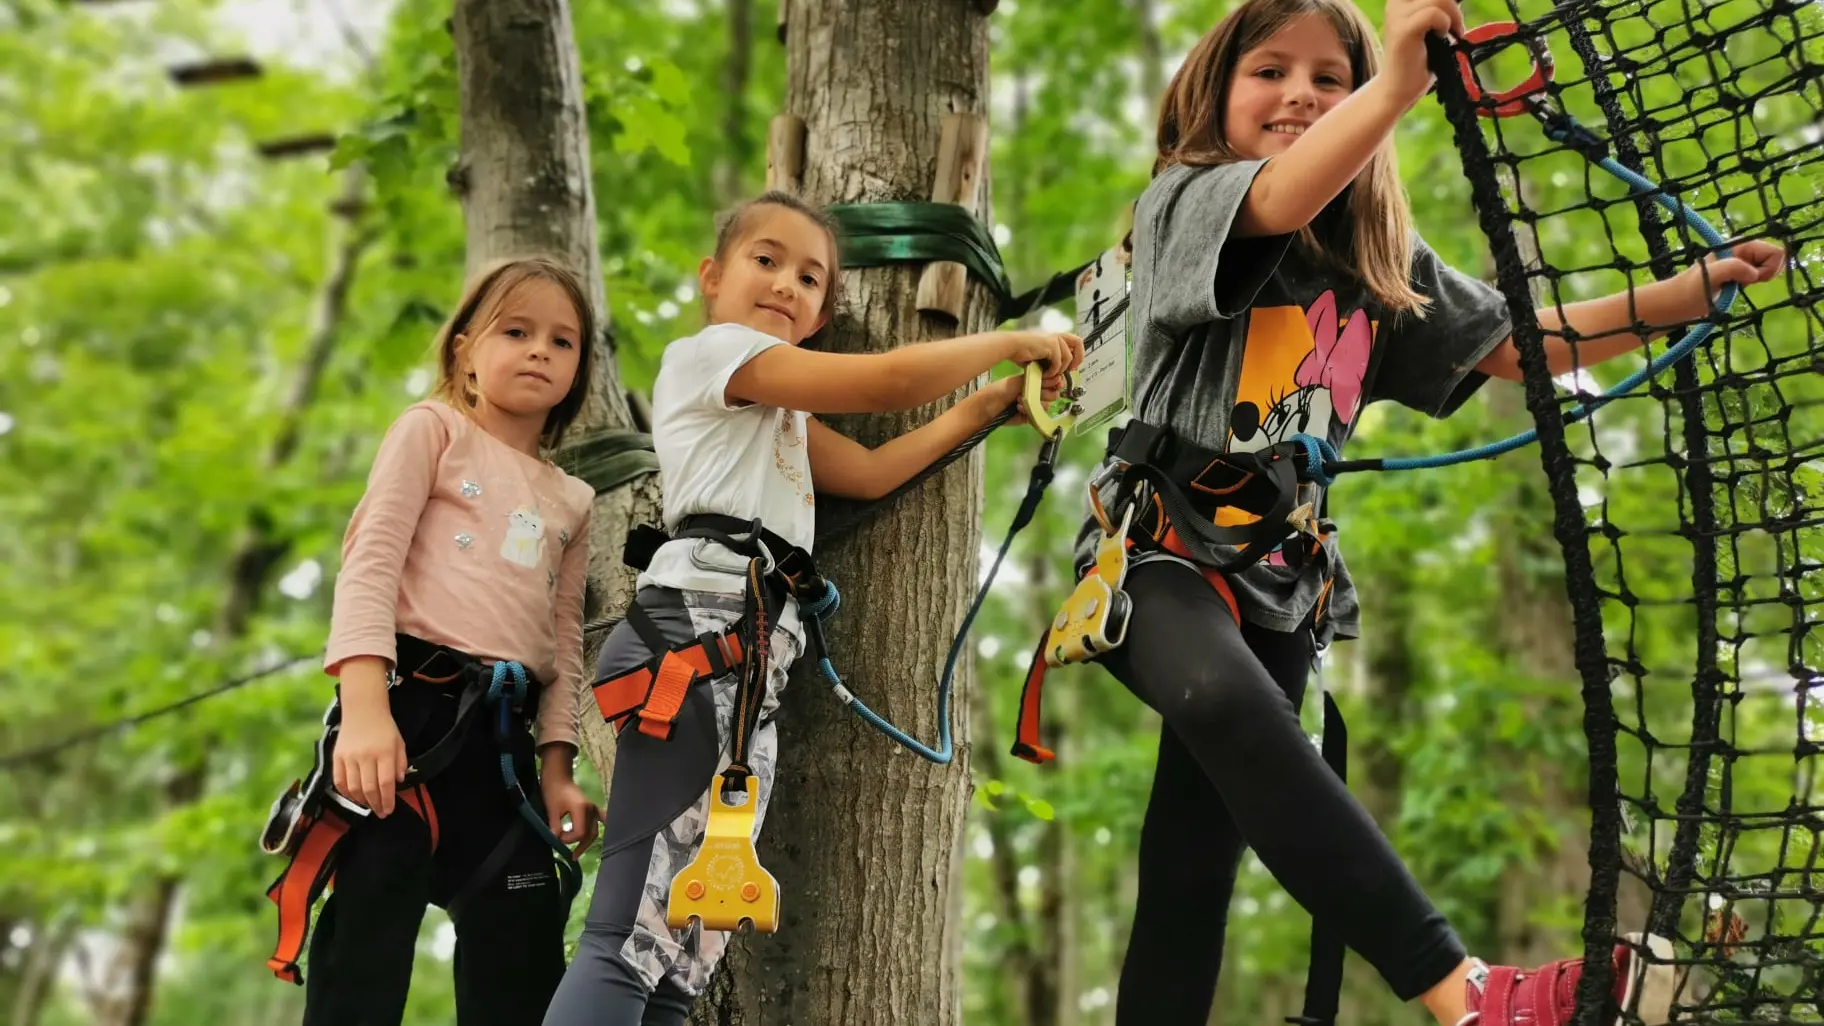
464	541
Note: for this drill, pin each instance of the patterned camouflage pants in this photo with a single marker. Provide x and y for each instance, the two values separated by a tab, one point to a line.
627	951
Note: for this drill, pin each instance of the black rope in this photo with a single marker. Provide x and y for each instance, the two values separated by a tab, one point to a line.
1681	862
101	730
1721	106
1567	526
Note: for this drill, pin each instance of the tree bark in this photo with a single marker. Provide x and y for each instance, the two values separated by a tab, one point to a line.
737	134
1152	56
524	179
865	838
1391	665
1019	961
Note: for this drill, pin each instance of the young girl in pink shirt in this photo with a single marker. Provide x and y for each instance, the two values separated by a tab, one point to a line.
462	579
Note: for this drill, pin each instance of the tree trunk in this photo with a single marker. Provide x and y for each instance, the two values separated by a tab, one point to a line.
1391	666
50	942
127	989
865	838
1019	961
524	180
1152	56
737	133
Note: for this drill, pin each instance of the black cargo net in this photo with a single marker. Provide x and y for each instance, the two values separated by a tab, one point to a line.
1688	510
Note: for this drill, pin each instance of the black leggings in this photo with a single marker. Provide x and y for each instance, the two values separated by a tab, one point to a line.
1236	770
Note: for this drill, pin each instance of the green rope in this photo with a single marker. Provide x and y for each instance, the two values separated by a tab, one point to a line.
883	234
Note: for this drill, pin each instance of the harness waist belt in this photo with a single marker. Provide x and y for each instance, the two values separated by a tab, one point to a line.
1191	484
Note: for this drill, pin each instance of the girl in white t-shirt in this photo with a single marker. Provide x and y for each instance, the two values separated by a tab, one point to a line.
738	450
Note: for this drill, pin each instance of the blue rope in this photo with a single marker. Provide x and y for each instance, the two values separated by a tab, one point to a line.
1318	452
1573	134
508	700
820	611
825	607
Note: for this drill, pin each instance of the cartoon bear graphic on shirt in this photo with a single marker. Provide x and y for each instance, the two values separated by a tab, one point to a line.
1302	371
525	540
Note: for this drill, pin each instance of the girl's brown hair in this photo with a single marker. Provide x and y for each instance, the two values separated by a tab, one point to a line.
732	227
1372	237
483	302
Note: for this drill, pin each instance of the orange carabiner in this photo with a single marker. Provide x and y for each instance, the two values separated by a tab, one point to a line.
1507	102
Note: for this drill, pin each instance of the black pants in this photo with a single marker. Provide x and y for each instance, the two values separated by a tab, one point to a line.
1236	770
509	926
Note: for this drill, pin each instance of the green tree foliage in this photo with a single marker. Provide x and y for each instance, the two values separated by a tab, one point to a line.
161	285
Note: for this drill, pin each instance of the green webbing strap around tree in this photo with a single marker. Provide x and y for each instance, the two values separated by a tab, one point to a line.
608	458
880	234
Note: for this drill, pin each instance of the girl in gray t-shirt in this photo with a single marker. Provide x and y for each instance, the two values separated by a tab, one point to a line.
1278	288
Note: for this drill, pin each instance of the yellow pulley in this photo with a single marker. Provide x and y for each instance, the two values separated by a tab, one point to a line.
725	885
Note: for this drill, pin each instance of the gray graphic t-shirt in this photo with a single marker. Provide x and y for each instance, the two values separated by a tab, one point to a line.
1241	343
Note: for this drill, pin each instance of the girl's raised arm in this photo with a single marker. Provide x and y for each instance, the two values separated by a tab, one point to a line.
794	378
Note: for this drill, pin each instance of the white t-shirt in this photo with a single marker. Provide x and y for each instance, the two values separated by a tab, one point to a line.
740	460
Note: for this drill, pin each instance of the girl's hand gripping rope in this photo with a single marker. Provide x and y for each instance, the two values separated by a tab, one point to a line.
1407	75
565	799
1748	263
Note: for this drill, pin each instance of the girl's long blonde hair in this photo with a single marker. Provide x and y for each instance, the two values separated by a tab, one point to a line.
483	301
1370	236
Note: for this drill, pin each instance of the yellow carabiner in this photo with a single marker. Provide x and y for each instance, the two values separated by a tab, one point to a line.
725	885
1049	423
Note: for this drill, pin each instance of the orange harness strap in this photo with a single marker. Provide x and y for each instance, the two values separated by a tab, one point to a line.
311	869
656	695
1026	731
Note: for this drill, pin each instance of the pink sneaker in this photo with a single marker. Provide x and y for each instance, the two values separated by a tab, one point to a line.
1547	996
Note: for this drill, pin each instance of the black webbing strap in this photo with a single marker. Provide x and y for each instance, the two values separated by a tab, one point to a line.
1324	976
439	666
769	558
488	870
650	635
735	534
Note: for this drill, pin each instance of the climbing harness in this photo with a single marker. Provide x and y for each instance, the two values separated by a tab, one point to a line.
724	887
308	822
1153	512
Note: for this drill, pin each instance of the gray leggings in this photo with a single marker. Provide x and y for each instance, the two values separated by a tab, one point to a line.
600	988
